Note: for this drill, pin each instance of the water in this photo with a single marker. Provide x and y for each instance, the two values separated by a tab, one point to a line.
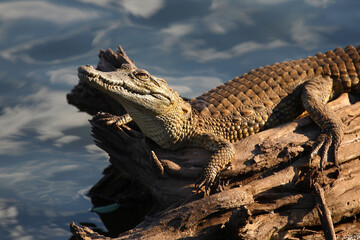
48	160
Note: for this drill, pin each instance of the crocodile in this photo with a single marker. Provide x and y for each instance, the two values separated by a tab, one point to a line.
257	100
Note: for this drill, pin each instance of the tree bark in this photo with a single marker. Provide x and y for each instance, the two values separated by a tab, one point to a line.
267	192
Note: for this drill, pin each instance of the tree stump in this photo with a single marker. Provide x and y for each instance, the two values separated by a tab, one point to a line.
270	190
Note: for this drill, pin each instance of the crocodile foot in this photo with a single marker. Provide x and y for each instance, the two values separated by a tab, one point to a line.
110	119
207	181
327	146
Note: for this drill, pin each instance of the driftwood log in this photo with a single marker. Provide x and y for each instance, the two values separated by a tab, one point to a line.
271	190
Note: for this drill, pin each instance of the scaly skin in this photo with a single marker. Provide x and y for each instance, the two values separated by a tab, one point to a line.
260	99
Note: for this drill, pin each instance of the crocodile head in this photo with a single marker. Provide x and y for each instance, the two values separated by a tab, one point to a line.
133	88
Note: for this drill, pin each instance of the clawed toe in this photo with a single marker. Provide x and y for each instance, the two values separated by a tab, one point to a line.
327	147
207	182
110	119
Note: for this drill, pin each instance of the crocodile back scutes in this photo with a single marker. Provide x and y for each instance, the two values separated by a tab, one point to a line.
261	90
254	92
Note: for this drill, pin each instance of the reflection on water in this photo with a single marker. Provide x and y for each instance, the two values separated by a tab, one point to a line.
48	158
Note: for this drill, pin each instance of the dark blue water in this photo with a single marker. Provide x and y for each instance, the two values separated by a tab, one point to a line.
48	160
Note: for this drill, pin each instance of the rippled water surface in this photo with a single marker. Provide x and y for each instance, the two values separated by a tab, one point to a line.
48	160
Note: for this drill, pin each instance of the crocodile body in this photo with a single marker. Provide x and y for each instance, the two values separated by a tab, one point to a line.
260	99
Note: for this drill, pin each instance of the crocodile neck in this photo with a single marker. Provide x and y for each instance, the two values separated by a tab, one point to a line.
170	129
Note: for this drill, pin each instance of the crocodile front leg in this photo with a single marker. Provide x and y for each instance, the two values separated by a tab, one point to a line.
315	94
224	152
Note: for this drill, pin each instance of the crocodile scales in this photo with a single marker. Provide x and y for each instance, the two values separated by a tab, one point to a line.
260	99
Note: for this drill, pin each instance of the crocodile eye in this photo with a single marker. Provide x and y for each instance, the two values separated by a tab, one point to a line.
141	75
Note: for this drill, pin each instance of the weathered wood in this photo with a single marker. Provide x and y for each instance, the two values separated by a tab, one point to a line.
266	192
324	213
